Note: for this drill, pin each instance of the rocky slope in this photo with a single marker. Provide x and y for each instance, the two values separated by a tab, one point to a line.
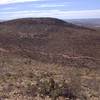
51	51
50	40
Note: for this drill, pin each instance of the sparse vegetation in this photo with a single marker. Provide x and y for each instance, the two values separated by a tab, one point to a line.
46	81
48	60
46	86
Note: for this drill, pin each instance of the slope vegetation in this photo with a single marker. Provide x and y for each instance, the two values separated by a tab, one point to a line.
50	40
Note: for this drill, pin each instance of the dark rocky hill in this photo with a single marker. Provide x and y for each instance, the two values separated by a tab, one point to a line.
50	40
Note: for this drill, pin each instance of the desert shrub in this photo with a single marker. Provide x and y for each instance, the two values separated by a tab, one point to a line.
76	84
31	90
47	86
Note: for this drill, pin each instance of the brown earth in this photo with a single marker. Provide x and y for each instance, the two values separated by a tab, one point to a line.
50	37
31	46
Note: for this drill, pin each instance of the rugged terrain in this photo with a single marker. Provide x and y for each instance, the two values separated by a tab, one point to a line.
31	46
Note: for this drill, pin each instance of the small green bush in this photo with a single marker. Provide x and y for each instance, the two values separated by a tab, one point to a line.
47	86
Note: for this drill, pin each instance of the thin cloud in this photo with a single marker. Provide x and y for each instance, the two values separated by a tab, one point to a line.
55	13
48	5
15	1
7	8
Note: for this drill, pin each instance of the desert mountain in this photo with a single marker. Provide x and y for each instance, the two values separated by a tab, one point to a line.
50	40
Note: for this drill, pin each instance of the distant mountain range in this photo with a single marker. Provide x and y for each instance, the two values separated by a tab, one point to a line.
86	22
1	21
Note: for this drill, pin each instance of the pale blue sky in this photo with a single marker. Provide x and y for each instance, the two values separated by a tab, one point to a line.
64	9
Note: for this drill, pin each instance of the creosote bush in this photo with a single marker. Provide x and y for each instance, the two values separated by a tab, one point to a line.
47	86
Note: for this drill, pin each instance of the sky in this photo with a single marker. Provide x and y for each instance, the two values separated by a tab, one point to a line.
63	9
